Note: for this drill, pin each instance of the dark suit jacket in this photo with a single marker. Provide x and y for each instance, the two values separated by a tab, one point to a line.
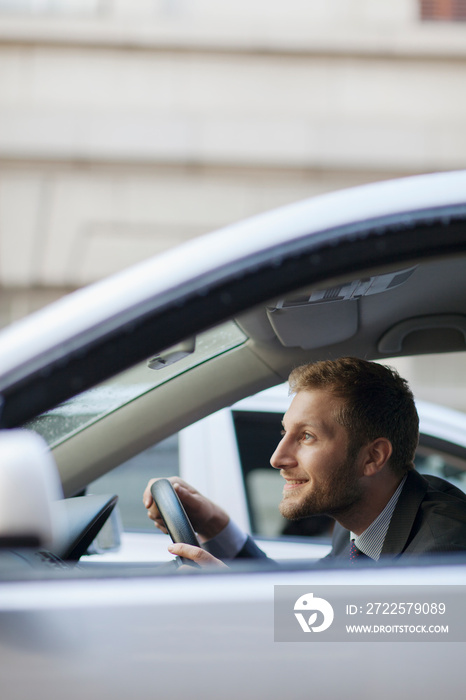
250	550
430	516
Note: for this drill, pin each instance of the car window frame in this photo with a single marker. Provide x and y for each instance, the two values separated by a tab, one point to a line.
197	304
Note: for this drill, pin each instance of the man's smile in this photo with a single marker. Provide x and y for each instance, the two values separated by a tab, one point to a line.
294	483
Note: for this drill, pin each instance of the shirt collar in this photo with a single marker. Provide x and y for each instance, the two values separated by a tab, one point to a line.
370	542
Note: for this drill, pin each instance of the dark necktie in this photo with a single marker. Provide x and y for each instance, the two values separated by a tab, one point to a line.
355	553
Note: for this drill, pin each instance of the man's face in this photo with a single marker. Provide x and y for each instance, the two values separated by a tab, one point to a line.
313	459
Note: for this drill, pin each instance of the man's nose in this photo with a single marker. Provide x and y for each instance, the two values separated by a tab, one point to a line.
282	457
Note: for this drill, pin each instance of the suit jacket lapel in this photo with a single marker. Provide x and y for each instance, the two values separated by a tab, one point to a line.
404	514
340	542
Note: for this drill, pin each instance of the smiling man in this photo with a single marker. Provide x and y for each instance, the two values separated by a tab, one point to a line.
312	441
347	450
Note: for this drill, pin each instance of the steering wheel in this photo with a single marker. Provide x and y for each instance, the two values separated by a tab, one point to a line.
174	515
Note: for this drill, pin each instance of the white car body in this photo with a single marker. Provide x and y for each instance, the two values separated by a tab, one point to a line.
106	630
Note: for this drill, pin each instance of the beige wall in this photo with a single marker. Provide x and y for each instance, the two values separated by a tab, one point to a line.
127	126
130	126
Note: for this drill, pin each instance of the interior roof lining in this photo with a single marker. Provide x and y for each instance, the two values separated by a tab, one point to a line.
445	280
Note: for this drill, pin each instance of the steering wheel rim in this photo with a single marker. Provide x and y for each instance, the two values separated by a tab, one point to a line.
174	515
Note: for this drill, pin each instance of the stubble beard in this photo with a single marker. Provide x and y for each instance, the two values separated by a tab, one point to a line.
338	494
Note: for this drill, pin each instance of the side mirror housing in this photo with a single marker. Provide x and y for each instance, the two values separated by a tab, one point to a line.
30	492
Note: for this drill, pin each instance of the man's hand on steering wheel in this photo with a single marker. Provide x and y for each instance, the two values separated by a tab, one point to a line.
207	518
196	555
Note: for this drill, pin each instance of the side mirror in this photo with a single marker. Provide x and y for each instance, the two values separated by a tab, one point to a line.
30	492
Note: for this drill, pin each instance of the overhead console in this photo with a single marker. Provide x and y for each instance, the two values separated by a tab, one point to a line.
328	316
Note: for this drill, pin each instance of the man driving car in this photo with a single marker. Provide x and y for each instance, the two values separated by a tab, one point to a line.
347	450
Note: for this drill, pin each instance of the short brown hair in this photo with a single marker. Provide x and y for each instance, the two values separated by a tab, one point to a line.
377	403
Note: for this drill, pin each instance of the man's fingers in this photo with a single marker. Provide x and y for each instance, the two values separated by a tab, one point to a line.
159	524
207	518
195	554
187	497
175	482
147	496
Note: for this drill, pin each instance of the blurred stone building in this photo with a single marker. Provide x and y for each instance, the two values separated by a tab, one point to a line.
128	126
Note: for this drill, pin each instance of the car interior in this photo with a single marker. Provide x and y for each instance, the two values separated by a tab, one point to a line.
417	307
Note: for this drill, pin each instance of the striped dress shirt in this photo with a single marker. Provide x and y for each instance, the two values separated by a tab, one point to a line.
370	542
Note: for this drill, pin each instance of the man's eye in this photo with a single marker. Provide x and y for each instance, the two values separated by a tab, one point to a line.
307	436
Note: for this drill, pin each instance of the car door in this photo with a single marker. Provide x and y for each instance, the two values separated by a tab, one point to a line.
120	633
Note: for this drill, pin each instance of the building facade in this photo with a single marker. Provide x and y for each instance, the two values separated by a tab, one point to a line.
128	126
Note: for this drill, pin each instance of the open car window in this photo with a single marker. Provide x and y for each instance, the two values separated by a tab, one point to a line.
257	433
311	285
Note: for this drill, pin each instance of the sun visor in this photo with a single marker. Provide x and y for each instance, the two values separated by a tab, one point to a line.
313	325
328	316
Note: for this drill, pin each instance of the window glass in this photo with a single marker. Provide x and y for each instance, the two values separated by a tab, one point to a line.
130	479
443	10
449	467
87	408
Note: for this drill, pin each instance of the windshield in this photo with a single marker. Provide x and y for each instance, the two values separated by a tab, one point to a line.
86	408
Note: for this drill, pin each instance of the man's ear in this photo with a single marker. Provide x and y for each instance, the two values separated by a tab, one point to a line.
377	454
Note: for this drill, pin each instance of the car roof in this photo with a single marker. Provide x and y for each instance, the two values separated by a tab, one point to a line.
336	231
